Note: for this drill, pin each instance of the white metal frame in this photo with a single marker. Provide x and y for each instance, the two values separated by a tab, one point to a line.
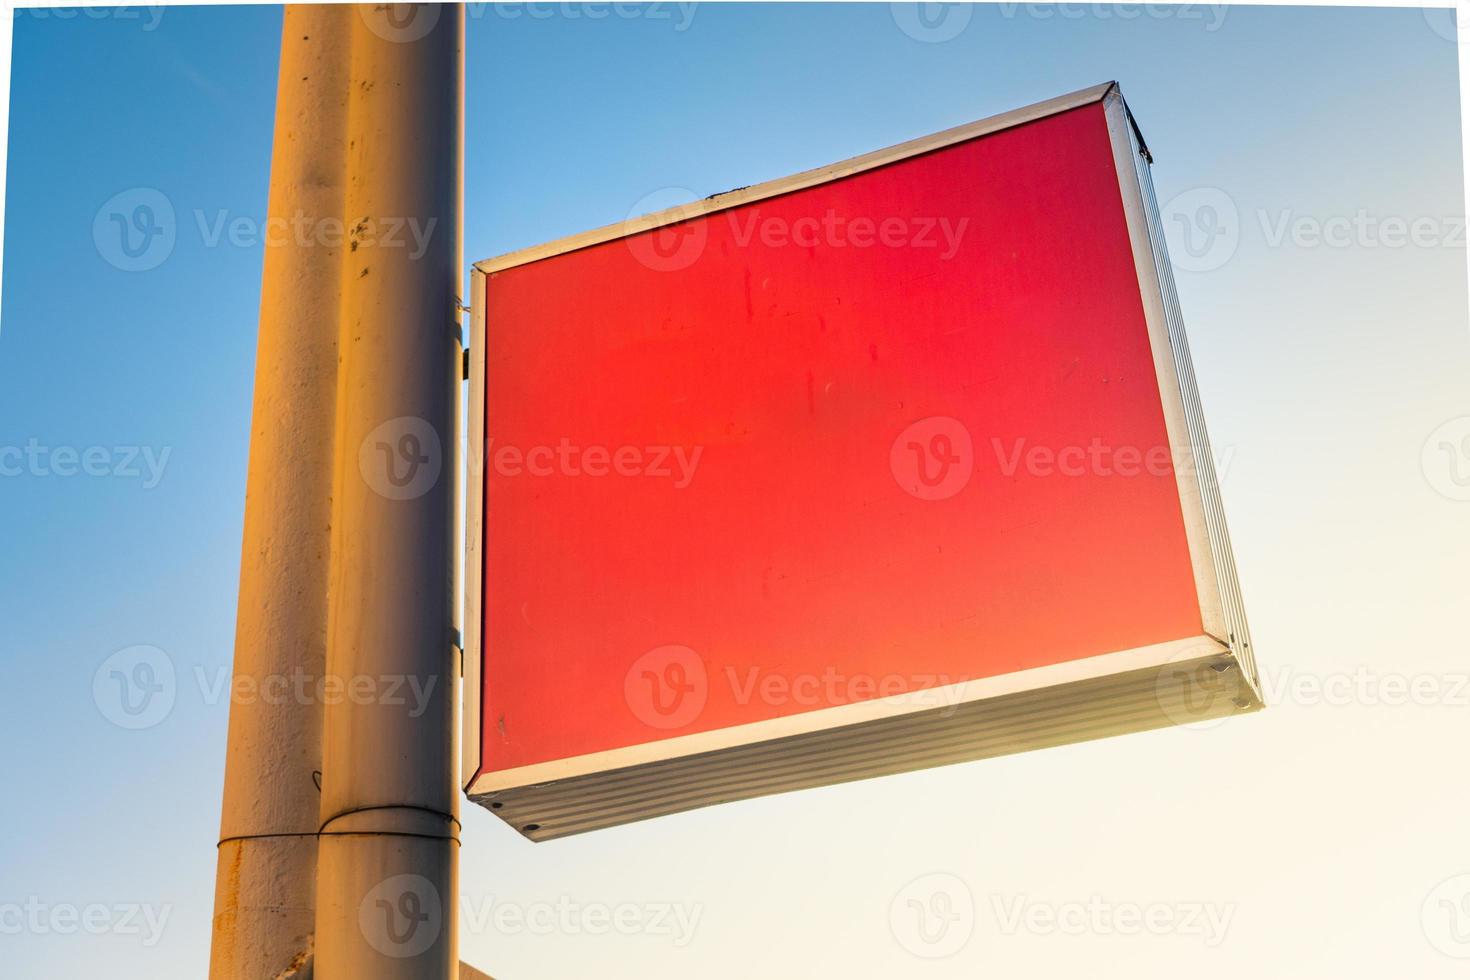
1114	693
474	525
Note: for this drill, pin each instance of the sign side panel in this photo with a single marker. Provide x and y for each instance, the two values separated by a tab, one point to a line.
1214	560
474	449
1181	443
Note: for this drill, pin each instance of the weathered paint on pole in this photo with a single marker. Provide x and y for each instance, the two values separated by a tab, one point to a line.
264	906
387	868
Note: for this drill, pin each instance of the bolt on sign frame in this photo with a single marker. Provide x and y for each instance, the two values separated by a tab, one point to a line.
891	464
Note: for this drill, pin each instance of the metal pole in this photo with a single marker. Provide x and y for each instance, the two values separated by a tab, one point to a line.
265	884
388	854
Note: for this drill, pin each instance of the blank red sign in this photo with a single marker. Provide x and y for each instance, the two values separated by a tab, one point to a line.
893	431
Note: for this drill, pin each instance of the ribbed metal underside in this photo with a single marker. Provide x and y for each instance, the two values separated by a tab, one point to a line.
1185	692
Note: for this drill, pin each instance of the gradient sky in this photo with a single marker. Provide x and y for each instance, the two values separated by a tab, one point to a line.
1326	835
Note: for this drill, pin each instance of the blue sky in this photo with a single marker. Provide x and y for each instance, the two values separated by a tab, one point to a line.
1324	369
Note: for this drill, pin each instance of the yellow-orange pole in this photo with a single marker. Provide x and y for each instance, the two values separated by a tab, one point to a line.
387	864
339	839
264	906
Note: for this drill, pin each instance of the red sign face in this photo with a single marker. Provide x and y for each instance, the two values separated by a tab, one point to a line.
856	449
